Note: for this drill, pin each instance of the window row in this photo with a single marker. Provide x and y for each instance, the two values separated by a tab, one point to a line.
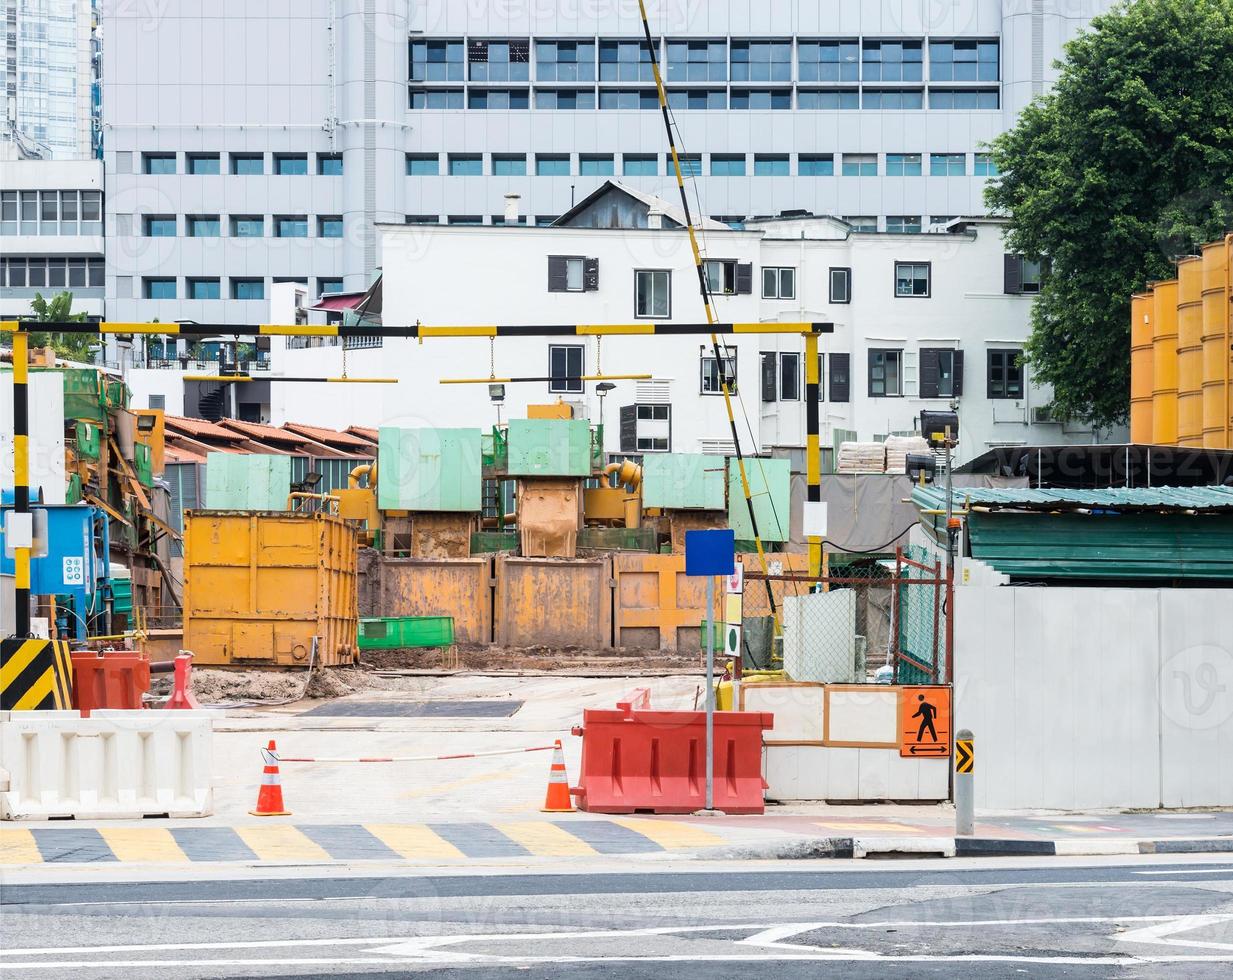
242	225
704	98
211	287
51	212
242	164
51	272
721	165
705	60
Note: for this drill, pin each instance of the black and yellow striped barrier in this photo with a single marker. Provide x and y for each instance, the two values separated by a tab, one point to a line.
35	675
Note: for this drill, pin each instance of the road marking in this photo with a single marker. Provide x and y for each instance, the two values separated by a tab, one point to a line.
281	842
19	847
671	834
545	839
1190	871
151	844
414	841
871	827
1160	935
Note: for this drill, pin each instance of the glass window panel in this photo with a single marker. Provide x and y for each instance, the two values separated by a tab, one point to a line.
552	165
596	165
329	165
509	165
816	165
640	165
828	99
423	165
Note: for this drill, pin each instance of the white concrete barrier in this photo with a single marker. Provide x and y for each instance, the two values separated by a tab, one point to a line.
114	764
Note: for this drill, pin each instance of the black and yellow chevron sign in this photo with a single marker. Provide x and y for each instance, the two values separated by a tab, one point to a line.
965	755
35	675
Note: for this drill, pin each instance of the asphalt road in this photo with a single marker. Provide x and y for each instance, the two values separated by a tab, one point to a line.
1035	918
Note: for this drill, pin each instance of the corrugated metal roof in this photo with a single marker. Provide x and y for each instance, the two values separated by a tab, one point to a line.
1161	499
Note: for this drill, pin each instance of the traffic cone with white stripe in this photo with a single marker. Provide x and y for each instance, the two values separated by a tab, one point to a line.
558	799
270	796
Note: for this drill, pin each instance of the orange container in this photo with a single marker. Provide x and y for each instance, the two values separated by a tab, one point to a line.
116	679
1190	352
1164	364
1141	367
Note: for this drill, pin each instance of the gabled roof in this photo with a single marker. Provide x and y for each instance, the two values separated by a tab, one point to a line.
330	437
671	211
265	433
200	428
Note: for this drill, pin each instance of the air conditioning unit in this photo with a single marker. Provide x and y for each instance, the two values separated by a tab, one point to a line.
716	447
1043	415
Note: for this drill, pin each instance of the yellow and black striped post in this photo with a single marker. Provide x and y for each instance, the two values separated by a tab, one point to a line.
21	476
813	451
35	675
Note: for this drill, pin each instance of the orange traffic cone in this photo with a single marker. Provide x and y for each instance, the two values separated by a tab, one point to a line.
270	796
558	799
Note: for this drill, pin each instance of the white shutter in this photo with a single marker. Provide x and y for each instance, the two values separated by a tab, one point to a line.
653	392
716	447
911	374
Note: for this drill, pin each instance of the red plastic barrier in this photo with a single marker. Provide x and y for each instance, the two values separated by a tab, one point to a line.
182	694
655	761
115	679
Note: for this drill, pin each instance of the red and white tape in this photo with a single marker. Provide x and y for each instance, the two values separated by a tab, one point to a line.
424	758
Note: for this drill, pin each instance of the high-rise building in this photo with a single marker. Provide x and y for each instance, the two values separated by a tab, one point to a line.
274	136
48	67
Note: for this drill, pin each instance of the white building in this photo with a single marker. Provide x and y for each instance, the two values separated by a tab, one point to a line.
252	144
918	320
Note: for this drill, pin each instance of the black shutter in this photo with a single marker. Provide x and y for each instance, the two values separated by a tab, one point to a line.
841	377
821	380
929	371
590	275
629	428
1012	274
768	376
957	360
873	357
557	276
744	278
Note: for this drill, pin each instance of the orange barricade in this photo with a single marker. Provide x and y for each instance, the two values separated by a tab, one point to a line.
116	679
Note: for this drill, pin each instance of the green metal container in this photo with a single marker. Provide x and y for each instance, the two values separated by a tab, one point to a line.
486	542
549	447
143	463
255	482
430	469
770	488
88	436
617	538
404	632
682	481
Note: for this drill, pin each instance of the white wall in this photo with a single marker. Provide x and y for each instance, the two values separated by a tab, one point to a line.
46	435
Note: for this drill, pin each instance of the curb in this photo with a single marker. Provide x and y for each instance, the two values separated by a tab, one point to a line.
814	848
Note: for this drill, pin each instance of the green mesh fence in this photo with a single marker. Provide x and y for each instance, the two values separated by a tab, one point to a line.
920	621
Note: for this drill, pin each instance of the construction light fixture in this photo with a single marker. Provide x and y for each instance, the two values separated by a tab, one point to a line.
604	387
934	426
496	393
921	467
309	484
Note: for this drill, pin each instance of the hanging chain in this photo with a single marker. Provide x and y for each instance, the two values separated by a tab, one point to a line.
344	357
599	354
492	357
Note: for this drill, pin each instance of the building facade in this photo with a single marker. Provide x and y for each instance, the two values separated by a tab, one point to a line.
263	145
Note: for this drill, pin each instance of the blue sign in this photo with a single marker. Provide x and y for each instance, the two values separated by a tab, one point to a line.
710	552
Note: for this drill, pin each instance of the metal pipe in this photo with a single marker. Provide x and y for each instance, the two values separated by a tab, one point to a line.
304	495
364	469
546	377
629	473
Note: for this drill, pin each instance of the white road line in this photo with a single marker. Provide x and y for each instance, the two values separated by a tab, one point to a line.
1191	871
1161	934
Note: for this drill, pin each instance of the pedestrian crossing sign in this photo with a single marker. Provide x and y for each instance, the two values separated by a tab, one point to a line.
924	722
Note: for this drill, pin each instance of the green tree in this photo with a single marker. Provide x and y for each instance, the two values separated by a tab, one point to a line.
58	309
1124	166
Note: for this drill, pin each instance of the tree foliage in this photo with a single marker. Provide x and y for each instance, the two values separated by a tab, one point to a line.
1124	166
58	309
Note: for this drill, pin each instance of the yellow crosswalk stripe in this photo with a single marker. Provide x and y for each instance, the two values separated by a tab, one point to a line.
18	847
872	827
151	844
281	842
670	834
545	839
413	841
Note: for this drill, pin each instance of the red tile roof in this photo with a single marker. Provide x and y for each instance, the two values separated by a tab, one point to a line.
260	432
331	437
200	428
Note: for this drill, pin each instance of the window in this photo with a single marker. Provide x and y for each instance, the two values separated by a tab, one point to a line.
595	165
762	61
712	384
891	61
941	372
971	98
1005	374
422	219
734	221
247	226
329	285
697	61
464	219
903	224
816	165
941	220
436	61
624	61
423	165
552	164
912	279
778	283
828	61
840	98
330	226
948	164
841	378
652	293
466	165
203	164
499	219
330	164
628	98
983	165
761	98
497	98
565	61
640	165
691	164
290	226
203	226
874	98
860	164
647	438
499	61
509	165
291	164
697	98
727	277
247	288
544	220
885	373
727	165
438	98
159	163
572	274
841	285
862	222
160	226
8	212
203	289
771	165
158	288
247	164
565	368
903	165
565	98
781	376
1021	275
963	61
